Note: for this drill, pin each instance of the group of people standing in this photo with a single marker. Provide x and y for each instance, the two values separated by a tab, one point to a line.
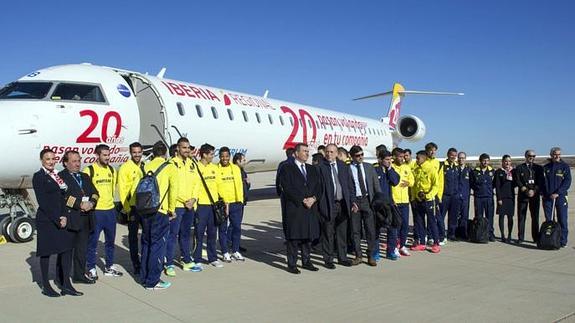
340	199
75	206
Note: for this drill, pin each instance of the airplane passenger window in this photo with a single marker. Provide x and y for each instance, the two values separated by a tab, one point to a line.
245	116
317	124
25	90
291	121
270	119
309	124
181	108
231	114
199	111
282	120
258	117
214	112
78	92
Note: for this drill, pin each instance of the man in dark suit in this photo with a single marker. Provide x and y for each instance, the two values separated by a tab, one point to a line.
335	206
366	185
79	199
529	180
289	159
301	187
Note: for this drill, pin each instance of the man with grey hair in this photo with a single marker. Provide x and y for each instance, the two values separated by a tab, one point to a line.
529	181
555	188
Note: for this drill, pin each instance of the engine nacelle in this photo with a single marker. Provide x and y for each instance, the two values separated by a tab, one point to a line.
410	128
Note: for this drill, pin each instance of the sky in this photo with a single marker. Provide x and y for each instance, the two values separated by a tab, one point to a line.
515	60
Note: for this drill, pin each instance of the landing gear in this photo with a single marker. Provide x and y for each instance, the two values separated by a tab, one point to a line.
18	224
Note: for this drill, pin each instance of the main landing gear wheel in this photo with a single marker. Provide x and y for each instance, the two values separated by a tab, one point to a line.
21	230
4	223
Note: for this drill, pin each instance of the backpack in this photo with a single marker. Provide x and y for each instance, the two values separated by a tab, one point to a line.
148	193
479	230
550	233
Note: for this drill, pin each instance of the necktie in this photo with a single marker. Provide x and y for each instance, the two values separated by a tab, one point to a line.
337	184
78	178
360	179
303	171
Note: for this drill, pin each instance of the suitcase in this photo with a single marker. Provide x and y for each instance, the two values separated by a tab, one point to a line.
550	233
479	230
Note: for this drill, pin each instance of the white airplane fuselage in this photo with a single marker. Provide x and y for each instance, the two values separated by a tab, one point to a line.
135	107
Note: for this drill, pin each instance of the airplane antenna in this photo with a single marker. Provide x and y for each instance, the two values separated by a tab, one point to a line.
266	94
161	73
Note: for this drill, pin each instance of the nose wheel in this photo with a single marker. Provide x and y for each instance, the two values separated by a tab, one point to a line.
18	224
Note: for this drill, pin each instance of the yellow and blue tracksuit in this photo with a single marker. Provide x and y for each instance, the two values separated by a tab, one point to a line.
232	192
205	213
463	191
400	196
450	176
104	180
181	226
426	181
557	181
156	227
482	185
129	175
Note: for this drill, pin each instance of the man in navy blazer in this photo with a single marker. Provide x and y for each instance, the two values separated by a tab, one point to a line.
79	199
335	206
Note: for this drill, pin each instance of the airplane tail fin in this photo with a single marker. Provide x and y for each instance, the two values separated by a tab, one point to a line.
397	93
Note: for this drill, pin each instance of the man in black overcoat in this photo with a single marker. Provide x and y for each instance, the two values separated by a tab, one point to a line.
301	187
79	200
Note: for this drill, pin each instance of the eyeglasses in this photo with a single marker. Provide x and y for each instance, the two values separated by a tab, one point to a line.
358	155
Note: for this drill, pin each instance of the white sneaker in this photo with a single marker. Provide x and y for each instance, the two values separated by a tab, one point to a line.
217	264
396	252
430	242
227	257
404	252
443	242
238	256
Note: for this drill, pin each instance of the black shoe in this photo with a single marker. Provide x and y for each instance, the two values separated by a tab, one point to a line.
492	239
519	241
137	271
293	270
329	265
50	292
242	249
71	291
310	267
345	263
83	280
503	240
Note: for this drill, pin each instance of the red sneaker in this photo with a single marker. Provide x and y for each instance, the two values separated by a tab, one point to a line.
417	247
435	248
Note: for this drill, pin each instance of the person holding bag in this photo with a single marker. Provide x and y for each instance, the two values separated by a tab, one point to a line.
210	209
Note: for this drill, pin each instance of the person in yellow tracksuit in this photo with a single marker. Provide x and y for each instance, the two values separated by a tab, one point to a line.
155	227
129	175
181	225
103	177
232	192
205	213
400	196
431	150
424	191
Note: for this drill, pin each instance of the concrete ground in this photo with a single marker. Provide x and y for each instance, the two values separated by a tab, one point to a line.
464	283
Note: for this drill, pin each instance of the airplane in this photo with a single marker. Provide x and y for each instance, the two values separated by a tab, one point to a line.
77	106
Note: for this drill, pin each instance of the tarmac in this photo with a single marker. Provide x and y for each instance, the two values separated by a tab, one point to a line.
466	282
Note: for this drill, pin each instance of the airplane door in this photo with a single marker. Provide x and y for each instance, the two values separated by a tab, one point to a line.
153	117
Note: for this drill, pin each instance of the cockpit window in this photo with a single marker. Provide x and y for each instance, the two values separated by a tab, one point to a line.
78	92
25	90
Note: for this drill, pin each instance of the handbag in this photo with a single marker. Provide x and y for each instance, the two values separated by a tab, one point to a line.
219	207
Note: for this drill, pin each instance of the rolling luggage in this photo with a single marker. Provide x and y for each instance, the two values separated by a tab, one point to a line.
550	233
479	230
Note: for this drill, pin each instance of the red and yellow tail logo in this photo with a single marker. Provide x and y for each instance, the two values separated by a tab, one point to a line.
395	107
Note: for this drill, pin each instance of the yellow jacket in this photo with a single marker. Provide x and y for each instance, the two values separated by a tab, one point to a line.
231	189
211	175
187	179
104	180
129	175
401	194
440	182
425	181
167	182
